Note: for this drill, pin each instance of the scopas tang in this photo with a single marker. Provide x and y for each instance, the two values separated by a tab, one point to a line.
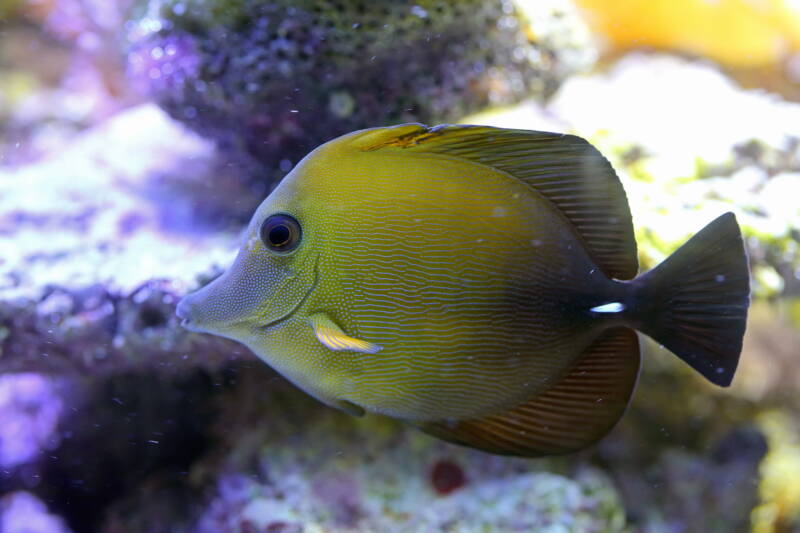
478	283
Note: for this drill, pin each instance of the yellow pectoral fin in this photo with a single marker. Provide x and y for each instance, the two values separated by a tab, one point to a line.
332	336
349	407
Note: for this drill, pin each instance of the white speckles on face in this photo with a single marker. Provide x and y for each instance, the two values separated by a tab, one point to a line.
251	242
236	298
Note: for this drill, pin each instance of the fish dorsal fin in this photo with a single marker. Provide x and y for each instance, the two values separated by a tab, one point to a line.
332	336
576	412
565	169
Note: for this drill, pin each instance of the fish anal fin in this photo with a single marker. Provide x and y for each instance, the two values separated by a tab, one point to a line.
334	338
576	412
566	170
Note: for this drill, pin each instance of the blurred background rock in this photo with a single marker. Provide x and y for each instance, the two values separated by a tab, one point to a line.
270	80
137	136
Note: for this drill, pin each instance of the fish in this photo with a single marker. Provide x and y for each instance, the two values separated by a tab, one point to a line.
477	283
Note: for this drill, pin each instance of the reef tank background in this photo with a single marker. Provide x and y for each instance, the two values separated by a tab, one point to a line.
136	138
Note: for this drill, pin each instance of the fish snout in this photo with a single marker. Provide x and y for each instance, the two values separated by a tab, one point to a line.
217	308
193	313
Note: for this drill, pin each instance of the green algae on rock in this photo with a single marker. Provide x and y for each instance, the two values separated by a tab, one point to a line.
303	470
7	7
273	79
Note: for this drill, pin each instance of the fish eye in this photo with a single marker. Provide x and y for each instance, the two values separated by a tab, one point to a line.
281	233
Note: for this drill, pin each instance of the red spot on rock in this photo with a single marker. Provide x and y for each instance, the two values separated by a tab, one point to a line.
447	476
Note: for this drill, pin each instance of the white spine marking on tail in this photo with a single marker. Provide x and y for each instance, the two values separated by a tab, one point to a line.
612	307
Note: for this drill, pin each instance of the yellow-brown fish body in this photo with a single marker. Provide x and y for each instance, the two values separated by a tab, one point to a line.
459	278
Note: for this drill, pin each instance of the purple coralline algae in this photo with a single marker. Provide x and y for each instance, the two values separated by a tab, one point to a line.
30	407
22	512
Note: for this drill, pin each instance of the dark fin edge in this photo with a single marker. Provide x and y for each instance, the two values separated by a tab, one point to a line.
695	302
576	412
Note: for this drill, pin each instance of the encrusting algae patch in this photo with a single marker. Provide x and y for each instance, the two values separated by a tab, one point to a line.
780	472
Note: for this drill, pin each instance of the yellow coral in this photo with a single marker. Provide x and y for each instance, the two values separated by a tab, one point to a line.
780	470
738	33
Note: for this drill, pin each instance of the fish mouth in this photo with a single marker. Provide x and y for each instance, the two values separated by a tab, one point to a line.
183	311
188	325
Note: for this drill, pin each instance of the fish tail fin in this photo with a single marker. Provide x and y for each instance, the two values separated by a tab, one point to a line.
695	302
